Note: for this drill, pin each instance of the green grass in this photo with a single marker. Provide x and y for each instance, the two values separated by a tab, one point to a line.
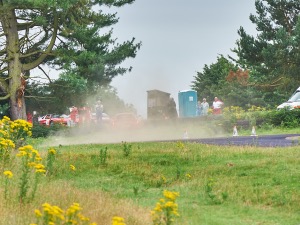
249	185
217	184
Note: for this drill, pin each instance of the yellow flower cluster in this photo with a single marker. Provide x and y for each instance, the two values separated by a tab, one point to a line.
55	215
21	126
4	133
6	148
166	208
254	108
52	151
32	158
171	195
8	174
235	111
15	130
116	220
6	143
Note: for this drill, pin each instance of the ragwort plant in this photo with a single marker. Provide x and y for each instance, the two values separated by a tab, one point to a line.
8	175
52	214
13	134
166	209
51	156
18	131
30	174
6	148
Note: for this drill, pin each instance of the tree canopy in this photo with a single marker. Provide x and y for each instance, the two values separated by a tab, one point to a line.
269	59
70	35
273	55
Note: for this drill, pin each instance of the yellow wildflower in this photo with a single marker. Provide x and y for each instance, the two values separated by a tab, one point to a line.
21	154
72	167
40	171
31	164
188	175
8	174
38	213
82	218
116	220
171	195
39	166
52	151
158	207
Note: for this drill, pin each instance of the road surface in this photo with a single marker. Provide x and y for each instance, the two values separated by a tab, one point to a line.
282	140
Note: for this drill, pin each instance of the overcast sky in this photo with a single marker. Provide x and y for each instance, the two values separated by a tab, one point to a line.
178	38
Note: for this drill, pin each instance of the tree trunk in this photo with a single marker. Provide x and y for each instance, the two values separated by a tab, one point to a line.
15	87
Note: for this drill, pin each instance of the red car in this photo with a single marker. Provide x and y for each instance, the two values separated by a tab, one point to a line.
51	119
126	120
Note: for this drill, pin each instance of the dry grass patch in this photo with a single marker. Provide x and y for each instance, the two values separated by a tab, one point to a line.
97	205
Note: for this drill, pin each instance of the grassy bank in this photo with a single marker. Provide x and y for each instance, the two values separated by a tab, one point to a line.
217	185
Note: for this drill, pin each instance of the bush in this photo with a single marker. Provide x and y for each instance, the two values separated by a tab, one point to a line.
45	131
284	118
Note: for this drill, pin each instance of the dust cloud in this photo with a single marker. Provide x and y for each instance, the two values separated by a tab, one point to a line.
148	131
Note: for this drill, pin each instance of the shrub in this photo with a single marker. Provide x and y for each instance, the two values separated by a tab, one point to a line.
45	131
283	118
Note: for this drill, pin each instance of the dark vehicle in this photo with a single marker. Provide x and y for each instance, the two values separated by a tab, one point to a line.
126	120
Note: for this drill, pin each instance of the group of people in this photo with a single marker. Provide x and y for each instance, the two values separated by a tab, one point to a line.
84	115
203	107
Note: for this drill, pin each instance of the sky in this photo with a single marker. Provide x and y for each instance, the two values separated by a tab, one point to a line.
178	39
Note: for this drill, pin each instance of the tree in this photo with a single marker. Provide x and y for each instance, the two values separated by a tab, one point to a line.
227	81
70	35
209	83
273	56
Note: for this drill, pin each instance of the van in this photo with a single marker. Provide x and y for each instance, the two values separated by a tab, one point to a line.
293	102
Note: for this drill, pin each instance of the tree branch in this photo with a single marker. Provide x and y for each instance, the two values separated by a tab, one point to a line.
43	56
45	74
5	97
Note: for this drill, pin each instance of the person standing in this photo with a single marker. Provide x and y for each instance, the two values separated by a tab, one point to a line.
199	109
217	106
99	111
73	115
204	107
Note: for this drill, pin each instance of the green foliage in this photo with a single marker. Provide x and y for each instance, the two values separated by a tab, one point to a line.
46	131
101	159
74	36
272	54
256	116
284	118
208	83
31	170
4	110
216	197
253	176
103	156
127	149
50	160
213	81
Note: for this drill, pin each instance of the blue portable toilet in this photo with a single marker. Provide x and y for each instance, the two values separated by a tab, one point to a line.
187	101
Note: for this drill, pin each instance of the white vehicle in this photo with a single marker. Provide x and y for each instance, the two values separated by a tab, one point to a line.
293	102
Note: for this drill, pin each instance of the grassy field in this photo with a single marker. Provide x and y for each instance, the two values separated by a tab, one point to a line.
217	185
